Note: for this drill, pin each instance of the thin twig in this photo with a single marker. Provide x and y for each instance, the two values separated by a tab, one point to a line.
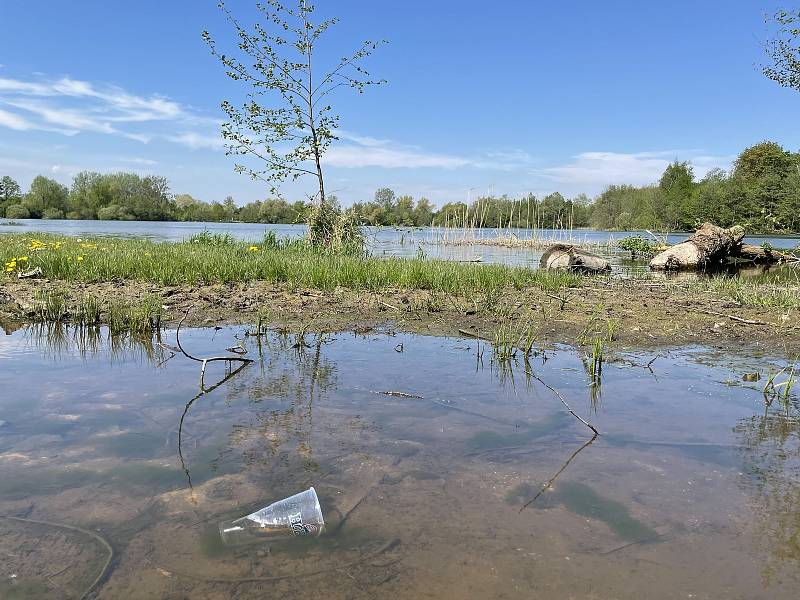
92	534
473	334
732	317
203	392
564	402
204	361
558	473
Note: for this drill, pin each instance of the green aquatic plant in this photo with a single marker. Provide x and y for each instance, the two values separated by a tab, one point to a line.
782	390
611	329
528	339
583	336
637	245
87	310
595	360
49	307
141	318
504	350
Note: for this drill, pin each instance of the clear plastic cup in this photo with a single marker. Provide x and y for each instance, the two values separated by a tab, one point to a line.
298	515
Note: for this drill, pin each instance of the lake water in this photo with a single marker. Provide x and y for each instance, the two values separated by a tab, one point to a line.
691	491
385	241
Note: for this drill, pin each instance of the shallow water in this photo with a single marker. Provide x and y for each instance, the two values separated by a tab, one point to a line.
393	241
692	489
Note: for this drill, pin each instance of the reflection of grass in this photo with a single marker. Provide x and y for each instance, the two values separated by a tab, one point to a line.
142	317
295	265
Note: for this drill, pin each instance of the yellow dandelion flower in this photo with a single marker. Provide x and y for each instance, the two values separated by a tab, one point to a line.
253	249
22	258
78	258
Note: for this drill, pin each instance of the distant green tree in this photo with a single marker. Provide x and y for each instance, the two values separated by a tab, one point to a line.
10	193
677	187
230	208
17	211
45	194
423	213
115	212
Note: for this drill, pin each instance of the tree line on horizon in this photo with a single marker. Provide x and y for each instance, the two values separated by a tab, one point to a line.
761	192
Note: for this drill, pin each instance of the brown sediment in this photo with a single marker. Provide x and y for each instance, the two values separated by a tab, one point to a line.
638	313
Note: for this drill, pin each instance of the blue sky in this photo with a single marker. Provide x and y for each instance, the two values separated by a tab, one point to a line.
508	97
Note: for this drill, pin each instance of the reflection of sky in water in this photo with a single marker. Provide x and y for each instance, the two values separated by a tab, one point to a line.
687	453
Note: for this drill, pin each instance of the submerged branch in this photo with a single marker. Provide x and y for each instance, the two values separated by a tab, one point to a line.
103	542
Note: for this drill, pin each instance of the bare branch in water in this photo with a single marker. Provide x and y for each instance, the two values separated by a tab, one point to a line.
564	402
552	480
204	361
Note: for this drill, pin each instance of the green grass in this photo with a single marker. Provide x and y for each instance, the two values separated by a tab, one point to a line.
755	292
142	317
215	259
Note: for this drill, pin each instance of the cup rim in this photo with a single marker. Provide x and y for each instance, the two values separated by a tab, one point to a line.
318	507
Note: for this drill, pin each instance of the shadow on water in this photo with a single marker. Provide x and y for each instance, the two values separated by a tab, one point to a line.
581	499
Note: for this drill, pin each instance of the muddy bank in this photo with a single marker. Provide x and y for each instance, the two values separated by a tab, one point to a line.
637	313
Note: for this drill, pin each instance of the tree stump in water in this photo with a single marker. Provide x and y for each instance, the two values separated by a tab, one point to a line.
708	246
565	257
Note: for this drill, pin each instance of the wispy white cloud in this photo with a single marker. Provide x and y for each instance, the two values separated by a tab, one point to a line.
139	161
71	106
14	121
197	141
358	151
595	170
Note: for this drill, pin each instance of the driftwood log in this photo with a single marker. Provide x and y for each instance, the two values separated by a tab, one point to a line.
709	246
763	255
565	257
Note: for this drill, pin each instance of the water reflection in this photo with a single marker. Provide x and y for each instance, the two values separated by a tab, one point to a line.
440	473
770	448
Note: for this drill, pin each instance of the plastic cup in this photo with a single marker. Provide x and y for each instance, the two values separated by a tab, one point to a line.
298	515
